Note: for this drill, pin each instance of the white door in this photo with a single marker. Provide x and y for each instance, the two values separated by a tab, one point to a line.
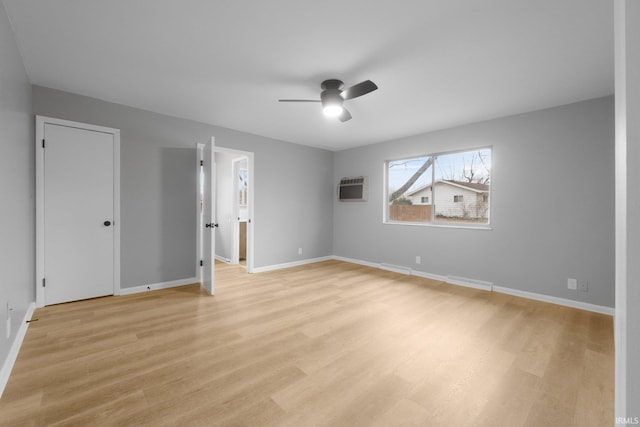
77	202
208	215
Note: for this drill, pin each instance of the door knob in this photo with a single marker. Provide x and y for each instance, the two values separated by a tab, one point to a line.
211	225
107	223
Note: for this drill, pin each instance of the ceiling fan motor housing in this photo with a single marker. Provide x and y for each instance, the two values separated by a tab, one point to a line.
332	84
331	90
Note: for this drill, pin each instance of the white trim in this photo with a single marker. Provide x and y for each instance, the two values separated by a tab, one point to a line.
7	366
116	211
291	264
251	213
225	260
39	154
486	286
429	276
395	268
428	224
356	261
556	300
39	211
160	285
453	280
469	283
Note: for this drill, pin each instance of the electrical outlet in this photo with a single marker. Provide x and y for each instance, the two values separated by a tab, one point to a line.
299	251
583	285
572	284
418	259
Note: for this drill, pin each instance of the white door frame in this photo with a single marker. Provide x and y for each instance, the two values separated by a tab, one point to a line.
250	223
235	234
40	244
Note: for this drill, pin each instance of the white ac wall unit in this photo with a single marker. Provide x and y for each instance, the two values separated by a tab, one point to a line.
353	189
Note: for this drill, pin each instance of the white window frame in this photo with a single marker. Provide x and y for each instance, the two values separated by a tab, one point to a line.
433	222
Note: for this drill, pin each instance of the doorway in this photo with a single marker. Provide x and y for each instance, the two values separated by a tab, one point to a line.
77	211
232	208
240	200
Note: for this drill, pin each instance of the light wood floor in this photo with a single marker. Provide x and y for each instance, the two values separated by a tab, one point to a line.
328	344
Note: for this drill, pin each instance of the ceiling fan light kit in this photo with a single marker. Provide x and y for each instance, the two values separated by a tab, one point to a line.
333	97
332	110
332	104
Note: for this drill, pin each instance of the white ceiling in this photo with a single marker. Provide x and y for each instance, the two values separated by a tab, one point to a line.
227	62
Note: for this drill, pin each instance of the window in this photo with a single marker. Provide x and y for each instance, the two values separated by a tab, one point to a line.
445	188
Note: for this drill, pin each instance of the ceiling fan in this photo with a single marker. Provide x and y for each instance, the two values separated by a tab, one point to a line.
333	97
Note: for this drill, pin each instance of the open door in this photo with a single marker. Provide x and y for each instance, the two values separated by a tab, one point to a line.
208	211
208	217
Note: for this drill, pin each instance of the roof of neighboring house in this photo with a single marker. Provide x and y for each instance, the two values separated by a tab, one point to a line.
471	186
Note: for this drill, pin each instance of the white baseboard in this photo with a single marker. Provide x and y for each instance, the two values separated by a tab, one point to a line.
556	300
460	281
395	268
7	366
221	259
469	283
487	286
437	277
290	264
155	286
356	261
454	280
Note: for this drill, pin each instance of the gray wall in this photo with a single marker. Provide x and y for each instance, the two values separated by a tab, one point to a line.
552	207
17	177
293	188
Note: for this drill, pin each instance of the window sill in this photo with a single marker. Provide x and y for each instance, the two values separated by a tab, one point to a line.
423	224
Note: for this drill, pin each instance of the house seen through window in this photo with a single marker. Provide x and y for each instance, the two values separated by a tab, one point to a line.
446	188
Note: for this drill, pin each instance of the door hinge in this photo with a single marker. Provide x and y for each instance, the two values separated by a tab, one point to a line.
201	263
201	162
43	143
43	282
